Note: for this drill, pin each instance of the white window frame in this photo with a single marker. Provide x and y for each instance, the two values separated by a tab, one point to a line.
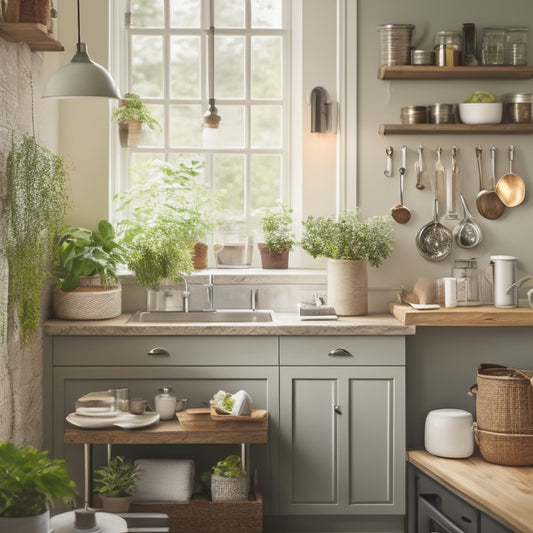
118	156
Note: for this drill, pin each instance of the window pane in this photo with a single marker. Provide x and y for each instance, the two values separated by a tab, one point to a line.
185	125
185	13
231	129
266	14
229	176
266	67
156	136
147	65
265	180
185	67
147	13
229	14
138	159
265	127
229	67
176	159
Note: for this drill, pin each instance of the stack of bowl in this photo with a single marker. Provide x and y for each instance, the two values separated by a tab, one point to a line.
414	114
395	41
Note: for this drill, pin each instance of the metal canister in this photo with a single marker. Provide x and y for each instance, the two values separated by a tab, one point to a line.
422	57
414	114
517	107
395	43
442	113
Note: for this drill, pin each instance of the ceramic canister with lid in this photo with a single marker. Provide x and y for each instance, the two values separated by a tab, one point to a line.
165	403
448	433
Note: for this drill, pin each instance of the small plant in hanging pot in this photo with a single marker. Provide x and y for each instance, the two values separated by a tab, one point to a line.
349	243
85	272
278	237
115	483
227	480
29	484
131	114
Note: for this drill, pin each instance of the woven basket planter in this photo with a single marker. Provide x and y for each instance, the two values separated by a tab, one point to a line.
89	301
504	448
229	489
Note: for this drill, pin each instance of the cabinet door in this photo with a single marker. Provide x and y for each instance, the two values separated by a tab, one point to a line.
342	440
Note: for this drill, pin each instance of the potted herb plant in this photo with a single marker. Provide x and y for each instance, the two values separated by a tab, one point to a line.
29	484
115	484
349	243
227	480
85	270
278	237
130	115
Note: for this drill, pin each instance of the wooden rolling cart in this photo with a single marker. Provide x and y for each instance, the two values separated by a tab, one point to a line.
185	517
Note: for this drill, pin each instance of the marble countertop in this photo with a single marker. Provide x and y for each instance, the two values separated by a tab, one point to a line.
284	324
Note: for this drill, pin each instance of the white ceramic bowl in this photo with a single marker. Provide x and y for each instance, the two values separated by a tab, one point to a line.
481	113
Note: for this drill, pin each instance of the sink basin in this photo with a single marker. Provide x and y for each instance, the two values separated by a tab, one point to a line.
223	315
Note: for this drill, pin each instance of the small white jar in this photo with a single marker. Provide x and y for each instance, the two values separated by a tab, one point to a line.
165	403
448	433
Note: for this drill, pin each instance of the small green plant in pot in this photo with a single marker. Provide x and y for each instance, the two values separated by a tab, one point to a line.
30	482
131	114
227	480
349	243
278	237
115	483
85	271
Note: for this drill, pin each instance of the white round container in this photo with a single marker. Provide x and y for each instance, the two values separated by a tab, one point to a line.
448	433
165	403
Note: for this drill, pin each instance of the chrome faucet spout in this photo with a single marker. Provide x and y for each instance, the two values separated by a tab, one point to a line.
253	299
210	286
186	293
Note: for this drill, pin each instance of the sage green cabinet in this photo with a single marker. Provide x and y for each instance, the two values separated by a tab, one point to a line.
342	425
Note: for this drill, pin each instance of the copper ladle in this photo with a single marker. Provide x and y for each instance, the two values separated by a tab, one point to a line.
399	212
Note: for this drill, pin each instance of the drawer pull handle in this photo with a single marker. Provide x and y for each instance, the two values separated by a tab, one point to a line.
158	352
338	409
339	352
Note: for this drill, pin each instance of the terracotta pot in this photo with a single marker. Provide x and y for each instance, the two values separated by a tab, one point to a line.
26	524
130	133
116	505
273	259
199	258
348	287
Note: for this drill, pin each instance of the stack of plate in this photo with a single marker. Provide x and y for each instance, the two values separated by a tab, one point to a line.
395	41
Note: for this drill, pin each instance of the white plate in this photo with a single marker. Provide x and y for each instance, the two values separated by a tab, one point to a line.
96	411
425	306
124	420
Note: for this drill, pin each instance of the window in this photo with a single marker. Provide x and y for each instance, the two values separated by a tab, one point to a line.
163	58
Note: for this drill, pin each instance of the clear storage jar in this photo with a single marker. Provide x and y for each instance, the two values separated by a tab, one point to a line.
493	45
515	47
448	46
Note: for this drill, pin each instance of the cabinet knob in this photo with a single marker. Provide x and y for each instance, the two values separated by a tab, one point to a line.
337	409
158	352
339	352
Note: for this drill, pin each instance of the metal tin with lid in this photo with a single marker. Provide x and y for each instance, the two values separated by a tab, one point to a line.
395	42
414	114
517	107
422	57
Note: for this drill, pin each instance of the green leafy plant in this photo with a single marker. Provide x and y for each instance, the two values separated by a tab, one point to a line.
276	226
349	237
30	481
82	252
230	467
117	479
131	107
37	200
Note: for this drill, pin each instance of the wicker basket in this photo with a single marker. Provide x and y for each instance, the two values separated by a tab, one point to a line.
230	489
87	303
504	448
504	401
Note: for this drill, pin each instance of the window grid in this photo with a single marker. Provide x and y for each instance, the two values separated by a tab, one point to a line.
167	151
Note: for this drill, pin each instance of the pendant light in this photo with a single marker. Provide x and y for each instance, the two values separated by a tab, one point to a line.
211	118
82	77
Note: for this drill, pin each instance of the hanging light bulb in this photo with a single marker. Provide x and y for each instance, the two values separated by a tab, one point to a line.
82	77
211	118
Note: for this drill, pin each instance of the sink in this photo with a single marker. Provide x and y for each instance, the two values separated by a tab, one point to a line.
223	315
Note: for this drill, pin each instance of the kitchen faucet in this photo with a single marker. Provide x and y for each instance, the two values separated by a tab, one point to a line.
210	293
186	293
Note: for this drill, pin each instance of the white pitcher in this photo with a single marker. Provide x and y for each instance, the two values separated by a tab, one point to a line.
503	277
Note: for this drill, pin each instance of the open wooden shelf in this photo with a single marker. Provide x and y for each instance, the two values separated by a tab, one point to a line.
430	72
464	129
34	34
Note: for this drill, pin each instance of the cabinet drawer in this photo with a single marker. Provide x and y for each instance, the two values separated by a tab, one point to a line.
179	350
343	350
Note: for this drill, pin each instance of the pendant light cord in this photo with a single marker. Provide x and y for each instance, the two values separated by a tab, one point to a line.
211	50
79	31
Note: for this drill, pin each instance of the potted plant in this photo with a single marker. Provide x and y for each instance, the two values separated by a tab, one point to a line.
29	484
350	243
171	196
227	480
115	484
130	115
278	237
85	271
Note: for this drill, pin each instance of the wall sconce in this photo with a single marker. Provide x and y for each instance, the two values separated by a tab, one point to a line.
320	111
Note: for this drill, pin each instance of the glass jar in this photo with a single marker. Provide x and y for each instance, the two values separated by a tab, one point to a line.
493	45
467	275
517	108
165	403
515	47
448	46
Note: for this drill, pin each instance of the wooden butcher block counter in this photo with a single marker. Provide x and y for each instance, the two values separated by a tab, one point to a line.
503	492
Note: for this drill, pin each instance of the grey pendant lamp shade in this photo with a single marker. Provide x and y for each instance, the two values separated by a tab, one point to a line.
81	78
